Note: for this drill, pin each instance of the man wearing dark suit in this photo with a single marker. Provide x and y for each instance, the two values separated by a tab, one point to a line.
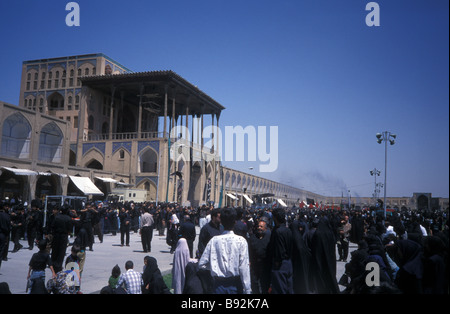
187	231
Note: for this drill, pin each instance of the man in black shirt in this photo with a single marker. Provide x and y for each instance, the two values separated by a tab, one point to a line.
187	231
257	250
18	227
39	261
60	229
280	254
209	230
5	228
34	224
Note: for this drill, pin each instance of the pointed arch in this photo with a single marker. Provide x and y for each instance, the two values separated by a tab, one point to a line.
94	159
94	164
150	187
148	160
16	136
55	101
50	143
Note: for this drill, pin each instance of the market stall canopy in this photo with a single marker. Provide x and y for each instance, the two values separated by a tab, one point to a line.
85	185
20	172
108	180
248	199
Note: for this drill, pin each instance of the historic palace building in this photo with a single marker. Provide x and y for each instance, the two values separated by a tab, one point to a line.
86	124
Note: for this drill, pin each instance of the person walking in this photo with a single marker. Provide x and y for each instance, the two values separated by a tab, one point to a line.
5	228
258	243
60	229
125	220
180	259
211	229
343	239
39	261
187	231
146	229
280	254
226	257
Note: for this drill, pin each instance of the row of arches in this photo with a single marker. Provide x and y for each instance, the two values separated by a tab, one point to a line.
238	182
147	159
17	138
54	101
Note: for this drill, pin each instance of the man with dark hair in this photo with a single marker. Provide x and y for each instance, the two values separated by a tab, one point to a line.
146	230
131	279
34	224
258	243
280	254
187	231
226	257
240	227
60	229
5	228
209	230
18	226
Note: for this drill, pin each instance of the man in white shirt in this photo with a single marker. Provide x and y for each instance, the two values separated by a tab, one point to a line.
146	230
226	257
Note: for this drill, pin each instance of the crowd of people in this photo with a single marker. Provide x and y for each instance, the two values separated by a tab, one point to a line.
260	251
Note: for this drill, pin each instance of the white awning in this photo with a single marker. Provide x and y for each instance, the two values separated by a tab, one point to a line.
231	196
281	202
20	172
125	184
109	180
248	198
85	185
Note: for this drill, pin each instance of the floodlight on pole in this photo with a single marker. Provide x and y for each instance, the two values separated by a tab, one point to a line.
385	136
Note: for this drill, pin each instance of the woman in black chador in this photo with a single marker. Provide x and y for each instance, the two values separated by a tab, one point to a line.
323	260
301	257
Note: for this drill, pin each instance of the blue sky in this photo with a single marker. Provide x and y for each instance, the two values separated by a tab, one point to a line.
311	67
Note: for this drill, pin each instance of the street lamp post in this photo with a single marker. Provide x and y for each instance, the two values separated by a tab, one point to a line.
375	172
385	137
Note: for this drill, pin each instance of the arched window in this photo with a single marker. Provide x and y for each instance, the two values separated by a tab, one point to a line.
50	143
94	164
56	101
16	136
148	161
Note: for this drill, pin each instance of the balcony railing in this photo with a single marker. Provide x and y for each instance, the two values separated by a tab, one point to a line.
123	136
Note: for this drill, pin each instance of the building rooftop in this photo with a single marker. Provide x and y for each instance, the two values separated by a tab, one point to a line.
155	82
84	56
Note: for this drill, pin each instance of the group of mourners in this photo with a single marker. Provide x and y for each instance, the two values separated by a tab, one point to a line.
296	251
259	251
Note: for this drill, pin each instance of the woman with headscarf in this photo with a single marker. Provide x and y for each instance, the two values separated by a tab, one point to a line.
323	260
435	269
301	257
407	255
181	258
152	278
193	283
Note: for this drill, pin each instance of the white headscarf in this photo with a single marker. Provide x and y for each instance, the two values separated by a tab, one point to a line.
181	258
